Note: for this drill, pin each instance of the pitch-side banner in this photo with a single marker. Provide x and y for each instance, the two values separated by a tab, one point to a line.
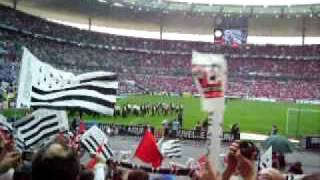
209	73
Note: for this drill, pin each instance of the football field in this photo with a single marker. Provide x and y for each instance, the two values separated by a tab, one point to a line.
253	116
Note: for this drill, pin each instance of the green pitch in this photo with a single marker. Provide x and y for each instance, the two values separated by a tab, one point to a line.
253	116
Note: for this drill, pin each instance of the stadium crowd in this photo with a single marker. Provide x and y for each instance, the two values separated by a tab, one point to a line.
277	72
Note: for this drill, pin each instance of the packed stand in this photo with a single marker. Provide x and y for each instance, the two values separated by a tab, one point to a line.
280	72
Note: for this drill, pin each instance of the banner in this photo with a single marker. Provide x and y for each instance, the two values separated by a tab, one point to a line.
209	73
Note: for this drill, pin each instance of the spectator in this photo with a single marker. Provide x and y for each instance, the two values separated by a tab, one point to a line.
198	129
296	168
241	160
23	172
235	131
138	175
86	175
175	128
55	162
274	130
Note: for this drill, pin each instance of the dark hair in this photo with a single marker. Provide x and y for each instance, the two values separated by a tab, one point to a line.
86	175
22	172
247	149
60	165
138	175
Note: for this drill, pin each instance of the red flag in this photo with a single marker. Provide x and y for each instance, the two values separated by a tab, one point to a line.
148	151
93	160
91	163
82	127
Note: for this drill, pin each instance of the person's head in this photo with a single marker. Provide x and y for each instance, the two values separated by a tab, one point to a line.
23	172
138	175
86	175
56	161
249	150
296	168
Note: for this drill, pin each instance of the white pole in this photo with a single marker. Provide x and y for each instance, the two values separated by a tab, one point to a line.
215	129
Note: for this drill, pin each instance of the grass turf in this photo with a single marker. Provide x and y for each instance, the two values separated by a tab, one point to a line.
253	116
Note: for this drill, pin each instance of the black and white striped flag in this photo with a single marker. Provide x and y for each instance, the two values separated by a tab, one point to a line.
96	141
266	159
39	126
53	88
170	148
4	125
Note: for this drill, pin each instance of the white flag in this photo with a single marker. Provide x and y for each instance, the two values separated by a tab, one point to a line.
40	125
96	141
41	85
266	159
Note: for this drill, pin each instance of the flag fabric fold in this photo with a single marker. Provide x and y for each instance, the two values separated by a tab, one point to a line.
96	141
148	152
4	124
38	126
41	85
171	148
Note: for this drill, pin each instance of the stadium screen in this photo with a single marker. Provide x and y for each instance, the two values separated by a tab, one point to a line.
231	31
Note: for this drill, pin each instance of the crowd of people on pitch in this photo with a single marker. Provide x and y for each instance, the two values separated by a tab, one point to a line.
147	109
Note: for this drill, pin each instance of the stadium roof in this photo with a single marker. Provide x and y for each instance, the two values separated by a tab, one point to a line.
227	7
251	2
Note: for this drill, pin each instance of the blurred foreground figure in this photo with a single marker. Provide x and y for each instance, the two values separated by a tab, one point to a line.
56	162
241	160
270	174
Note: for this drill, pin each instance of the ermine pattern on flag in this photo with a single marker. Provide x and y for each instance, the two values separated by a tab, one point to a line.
171	148
53	88
96	141
39	125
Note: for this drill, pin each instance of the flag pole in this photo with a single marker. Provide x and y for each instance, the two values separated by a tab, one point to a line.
215	130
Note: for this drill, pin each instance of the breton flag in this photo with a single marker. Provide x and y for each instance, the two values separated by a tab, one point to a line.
4	125
266	159
39	126
41	85
96	141
170	148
